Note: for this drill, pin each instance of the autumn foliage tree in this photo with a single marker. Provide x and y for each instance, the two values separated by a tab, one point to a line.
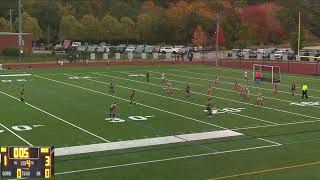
262	25
4	25
199	37
219	36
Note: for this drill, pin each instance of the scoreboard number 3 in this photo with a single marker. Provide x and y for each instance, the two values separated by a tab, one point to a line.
48	161
26	162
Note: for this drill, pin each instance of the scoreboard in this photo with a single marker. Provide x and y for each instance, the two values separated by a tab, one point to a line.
27	162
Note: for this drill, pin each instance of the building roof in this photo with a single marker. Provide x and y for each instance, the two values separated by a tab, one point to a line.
10	33
312	48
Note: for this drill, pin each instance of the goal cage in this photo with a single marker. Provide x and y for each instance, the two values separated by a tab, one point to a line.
269	73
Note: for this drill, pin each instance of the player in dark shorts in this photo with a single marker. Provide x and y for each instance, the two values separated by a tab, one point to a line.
133	98
112	110
188	91
111	88
275	89
293	88
148	76
209	107
22	93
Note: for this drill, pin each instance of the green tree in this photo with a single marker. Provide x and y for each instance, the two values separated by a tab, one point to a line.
70	28
128	29
46	12
199	37
4	25
30	25
144	27
109	28
90	30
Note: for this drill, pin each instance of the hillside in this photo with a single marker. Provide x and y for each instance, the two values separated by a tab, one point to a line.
243	22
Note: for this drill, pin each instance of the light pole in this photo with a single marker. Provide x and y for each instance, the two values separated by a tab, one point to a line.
109	37
10	14
217	38
20	32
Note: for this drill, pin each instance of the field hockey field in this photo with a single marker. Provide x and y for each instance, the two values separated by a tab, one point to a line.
162	137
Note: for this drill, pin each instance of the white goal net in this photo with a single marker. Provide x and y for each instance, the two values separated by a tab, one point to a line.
268	73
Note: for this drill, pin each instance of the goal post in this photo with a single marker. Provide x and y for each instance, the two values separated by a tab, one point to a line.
269	73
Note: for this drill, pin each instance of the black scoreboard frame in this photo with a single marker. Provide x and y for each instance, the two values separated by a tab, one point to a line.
27	162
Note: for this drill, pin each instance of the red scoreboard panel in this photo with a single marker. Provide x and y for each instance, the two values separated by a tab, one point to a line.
27	162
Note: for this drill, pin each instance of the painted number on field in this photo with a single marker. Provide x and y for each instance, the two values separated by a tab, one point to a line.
226	110
303	104
10	81
20	128
132	118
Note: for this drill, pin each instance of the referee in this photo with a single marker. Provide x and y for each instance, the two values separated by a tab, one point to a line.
305	90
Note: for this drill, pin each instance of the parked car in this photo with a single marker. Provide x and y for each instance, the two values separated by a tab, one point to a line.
82	48
140	49
149	49
186	50
58	47
76	44
156	49
92	49
176	49
291	55
166	49
279	54
130	49
198	48
121	48
102	49
236	51
264	52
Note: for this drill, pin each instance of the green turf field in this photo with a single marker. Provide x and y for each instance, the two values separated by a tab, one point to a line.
70	107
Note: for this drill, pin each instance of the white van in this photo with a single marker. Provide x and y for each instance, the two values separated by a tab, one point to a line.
279	54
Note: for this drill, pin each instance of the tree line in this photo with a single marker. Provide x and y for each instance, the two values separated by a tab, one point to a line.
243	22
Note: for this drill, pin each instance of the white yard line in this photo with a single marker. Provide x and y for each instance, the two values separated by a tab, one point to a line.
14	75
56	117
263	139
209	80
264	107
146	142
27	142
170	97
166	159
150	107
266	97
241	71
233	78
280	124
